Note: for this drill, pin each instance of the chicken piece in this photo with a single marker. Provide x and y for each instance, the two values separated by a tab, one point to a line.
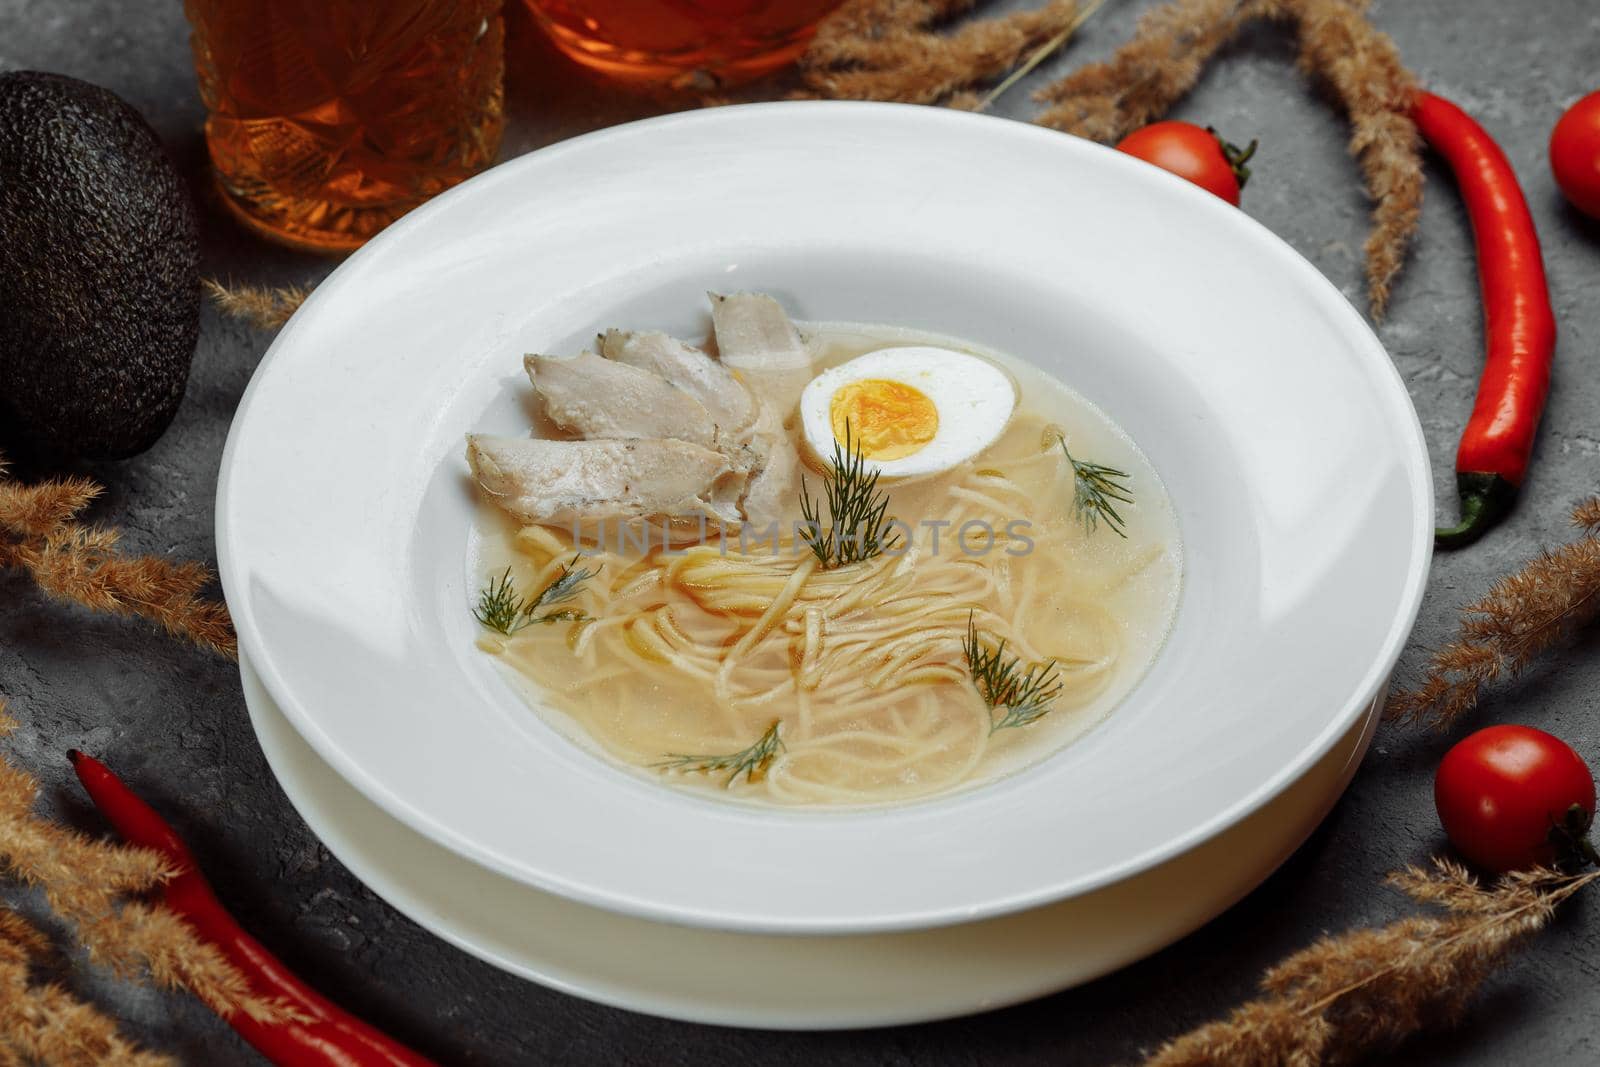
730	404
669	431
755	338
769	494
561	482
754	334
597	398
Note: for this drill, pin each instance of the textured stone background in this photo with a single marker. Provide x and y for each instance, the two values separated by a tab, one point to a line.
173	720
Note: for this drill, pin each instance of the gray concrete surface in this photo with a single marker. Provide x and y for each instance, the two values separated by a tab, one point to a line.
173	719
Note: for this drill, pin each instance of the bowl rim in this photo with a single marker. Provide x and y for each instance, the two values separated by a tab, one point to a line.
1417	467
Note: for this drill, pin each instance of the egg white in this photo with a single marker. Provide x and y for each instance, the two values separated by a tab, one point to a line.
974	399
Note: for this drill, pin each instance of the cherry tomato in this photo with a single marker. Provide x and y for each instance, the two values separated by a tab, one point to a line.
1502	790
1575	154
1193	152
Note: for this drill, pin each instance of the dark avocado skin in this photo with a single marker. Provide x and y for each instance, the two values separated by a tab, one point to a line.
99	282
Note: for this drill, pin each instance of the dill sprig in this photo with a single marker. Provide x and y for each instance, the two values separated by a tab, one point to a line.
503	611
499	608
562	588
1024	696
1096	493
751	762
857	512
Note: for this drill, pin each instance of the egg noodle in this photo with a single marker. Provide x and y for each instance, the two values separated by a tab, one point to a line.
701	650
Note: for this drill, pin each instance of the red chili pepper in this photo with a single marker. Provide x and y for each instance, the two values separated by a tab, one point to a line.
330	1037
1519	324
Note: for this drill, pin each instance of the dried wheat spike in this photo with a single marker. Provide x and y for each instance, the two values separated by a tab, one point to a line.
1363	69
1503	632
40	510
1153	71
898	49
1360	992
262	307
1586	516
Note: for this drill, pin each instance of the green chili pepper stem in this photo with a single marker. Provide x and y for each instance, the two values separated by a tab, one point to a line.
1485	500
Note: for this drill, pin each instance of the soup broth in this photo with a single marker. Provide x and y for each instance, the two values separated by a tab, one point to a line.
746	667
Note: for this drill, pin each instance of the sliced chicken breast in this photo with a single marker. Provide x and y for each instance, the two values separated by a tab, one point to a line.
564	481
754	333
596	398
689	369
770	492
669	432
755	337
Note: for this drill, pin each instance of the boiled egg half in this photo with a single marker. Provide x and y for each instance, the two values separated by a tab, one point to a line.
911	410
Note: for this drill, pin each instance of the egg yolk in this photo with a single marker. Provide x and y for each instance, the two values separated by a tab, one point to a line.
888	420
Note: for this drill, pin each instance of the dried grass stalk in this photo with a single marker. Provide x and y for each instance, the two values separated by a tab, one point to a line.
261	306
89	883
1338	44
898	49
1153	71
1586	516
1362	67
1503	632
40	510
81	564
1366	990
69	561
20	939
148	940
79	875
44	1024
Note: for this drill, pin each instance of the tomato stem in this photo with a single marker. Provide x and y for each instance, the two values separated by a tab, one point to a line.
1237	157
1570	837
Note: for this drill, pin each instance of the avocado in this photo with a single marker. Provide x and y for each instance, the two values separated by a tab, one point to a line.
99	282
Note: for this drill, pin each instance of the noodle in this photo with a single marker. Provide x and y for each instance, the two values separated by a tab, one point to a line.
698	649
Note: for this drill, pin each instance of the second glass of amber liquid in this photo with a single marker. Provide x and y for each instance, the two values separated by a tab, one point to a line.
329	119
686	44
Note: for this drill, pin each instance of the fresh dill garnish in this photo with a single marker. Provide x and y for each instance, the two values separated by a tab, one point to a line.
561	589
1097	492
1023	696
499	608
503	611
857	512
751	762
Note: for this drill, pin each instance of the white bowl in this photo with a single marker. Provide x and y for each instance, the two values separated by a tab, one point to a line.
1284	435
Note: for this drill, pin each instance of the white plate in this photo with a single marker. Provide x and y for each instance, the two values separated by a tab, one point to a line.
806	982
1284	435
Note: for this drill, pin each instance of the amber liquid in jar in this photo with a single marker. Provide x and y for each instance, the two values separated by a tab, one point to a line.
329	119
689	44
